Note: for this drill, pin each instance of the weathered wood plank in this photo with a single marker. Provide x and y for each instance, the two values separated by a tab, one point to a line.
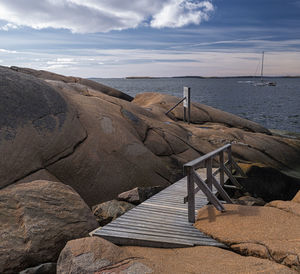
135	236
144	238
154	222
141	241
151	232
156	225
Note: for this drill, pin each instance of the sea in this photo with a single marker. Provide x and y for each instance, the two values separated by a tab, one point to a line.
274	107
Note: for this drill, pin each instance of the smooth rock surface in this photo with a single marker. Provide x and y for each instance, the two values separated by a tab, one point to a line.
92	84
110	210
71	130
96	255
264	232
289	206
37	126
113	158
36	221
201	259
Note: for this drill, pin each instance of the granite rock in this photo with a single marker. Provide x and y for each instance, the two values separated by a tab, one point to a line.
264	232
110	210
36	221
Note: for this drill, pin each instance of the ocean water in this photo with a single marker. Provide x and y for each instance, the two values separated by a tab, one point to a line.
273	107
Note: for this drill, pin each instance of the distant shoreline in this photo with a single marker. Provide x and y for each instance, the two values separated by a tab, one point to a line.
208	77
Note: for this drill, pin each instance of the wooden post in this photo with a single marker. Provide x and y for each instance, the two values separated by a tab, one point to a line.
184	114
187	103
208	164
191	195
221	155
230	158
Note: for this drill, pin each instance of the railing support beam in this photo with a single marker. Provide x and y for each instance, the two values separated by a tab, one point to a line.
206	185
191	194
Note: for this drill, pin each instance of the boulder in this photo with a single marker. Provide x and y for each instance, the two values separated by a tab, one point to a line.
199	113
250	201
68	130
139	194
46	75
37	126
113	158
201	259
110	210
96	255
47	268
211	128
264	232
36	220
269	183
57	128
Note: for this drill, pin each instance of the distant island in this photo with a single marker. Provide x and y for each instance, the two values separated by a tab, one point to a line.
207	77
143	77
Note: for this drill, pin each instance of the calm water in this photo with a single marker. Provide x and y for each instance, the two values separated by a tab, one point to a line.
273	107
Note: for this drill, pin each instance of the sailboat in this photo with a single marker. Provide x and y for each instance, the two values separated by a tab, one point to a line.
262	81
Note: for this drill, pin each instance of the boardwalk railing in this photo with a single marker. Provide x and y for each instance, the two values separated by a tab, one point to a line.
206	185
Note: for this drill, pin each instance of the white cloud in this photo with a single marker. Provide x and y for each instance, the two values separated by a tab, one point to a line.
178	13
8	27
136	62
61	63
87	16
7	51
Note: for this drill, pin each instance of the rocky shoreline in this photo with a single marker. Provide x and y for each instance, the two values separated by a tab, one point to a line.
70	145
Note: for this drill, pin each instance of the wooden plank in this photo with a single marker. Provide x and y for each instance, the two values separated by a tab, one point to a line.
161	242
163	219
156	215
141	241
117	235
159	233
155	225
145	232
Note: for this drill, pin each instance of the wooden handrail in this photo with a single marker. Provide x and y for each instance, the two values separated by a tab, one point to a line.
206	185
195	163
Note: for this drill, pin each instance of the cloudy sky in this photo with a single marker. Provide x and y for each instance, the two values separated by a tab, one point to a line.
119	38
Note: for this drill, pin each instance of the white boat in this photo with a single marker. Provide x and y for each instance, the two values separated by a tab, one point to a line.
262	81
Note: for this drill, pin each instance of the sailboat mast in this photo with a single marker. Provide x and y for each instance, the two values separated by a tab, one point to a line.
262	66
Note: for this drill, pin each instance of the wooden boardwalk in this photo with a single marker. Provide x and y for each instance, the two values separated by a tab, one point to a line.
161	221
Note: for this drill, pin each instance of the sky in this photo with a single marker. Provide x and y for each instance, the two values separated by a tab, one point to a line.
120	38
